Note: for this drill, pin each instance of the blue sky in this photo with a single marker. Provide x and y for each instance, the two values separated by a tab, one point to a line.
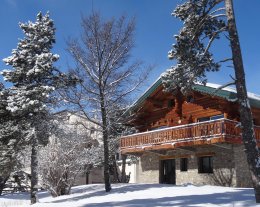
154	32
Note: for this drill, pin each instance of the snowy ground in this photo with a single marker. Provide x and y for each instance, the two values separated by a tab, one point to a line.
140	195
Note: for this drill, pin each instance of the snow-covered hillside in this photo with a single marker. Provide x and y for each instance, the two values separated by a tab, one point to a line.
140	195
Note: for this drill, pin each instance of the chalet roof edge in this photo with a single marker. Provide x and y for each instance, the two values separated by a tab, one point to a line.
227	93
146	93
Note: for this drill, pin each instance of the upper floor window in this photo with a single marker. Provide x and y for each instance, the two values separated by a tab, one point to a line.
171	103
189	99
92	130
160	127
219	116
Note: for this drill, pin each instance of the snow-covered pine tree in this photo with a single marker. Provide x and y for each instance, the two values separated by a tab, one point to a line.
204	22
6	151
34	78
13	134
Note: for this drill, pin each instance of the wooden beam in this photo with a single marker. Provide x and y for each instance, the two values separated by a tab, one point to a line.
189	149
202	154
155	102
223	145
158	152
167	157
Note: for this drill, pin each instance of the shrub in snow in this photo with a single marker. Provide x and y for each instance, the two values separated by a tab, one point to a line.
71	152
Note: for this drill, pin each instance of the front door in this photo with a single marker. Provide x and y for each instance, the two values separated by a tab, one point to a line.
167	172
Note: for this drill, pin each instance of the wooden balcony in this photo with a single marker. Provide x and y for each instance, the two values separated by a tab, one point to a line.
201	133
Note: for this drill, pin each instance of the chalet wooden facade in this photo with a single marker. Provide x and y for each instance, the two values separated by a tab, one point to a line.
189	139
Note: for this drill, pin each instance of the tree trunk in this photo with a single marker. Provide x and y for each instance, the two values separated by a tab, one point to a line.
123	176
105	140
34	168
3	180
106	160
248	135
115	170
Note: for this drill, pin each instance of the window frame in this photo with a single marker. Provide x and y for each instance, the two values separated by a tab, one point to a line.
210	118
202	162
184	164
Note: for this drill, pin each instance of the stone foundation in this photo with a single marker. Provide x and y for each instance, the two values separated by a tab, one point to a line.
148	168
229	166
243	177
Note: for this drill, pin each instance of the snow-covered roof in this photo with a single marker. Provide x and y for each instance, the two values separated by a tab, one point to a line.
227	93
233	90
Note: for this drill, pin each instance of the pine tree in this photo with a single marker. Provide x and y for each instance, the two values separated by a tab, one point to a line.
13	139
6	151
204	22
34	78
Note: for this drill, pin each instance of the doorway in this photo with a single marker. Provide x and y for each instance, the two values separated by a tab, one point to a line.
167	172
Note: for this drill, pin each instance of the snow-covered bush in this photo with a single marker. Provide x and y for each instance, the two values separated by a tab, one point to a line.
70	152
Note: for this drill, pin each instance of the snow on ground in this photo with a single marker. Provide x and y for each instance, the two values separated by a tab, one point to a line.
140	195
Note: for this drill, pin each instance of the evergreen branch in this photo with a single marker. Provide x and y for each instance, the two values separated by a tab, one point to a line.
218	15
217	10
225	60
213	38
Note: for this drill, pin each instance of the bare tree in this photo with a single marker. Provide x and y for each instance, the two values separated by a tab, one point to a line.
204	22
105	76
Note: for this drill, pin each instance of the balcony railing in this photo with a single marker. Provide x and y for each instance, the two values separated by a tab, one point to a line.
217	131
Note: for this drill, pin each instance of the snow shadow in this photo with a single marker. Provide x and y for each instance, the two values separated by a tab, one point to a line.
243	198
99	190
24	195
16	196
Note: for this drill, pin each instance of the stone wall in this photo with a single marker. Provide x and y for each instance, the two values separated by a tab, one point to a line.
148	168
223	167
229	166
243	177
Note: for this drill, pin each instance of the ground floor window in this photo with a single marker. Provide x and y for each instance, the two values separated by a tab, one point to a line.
184	164
205	164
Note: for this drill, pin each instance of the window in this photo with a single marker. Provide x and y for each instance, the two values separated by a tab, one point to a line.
92	130
160	127
117	155
189	99
171	103
203	119
184	164
220	116
205	164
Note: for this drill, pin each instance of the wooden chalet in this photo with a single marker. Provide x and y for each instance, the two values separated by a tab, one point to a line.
189	139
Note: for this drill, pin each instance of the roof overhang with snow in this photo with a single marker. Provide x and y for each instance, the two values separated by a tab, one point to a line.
211	89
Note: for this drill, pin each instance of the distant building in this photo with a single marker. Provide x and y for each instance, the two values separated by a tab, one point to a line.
79	122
